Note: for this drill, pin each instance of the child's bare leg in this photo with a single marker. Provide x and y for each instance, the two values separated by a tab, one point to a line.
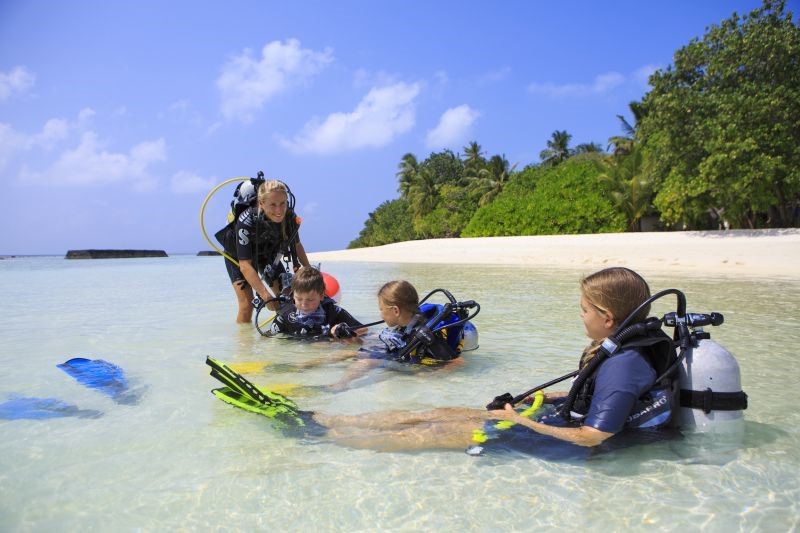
328	359
434	435
354	371
398	420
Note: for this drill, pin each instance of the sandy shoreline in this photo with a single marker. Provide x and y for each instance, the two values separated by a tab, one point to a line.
757	253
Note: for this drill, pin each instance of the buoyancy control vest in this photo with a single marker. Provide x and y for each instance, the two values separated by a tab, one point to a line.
453	335
319	323
658	406
443	343
269	241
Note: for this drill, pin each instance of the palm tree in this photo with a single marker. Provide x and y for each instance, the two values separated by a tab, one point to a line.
557	150
631	187
423	193
588	148
493	178
474	163
623	144
408	168
473	153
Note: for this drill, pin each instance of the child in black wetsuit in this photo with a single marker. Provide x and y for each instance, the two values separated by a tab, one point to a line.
311	314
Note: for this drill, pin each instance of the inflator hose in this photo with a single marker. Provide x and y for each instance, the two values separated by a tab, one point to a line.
202	216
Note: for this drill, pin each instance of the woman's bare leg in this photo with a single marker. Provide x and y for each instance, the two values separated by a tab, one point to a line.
244	298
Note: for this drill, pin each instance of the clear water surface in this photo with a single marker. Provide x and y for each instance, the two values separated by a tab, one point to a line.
180	459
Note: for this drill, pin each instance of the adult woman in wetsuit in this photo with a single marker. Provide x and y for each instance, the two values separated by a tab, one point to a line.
607	298
260	233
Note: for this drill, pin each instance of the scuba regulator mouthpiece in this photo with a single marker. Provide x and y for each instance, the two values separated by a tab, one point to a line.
500	402
693	320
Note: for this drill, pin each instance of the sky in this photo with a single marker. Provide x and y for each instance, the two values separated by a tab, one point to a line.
118	118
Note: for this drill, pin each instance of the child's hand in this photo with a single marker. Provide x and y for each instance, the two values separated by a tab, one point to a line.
507	413
343	331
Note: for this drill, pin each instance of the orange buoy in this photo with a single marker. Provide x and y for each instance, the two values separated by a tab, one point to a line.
331	287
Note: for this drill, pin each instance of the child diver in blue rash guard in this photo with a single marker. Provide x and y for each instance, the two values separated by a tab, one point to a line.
311	314
398	303
618	387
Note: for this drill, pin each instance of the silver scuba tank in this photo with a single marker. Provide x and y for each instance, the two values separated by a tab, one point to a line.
470	341
711	390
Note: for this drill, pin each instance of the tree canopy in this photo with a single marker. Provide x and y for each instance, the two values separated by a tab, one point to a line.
722	124
714	143
550	200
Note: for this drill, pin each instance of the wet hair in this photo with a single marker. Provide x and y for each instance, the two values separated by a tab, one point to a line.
308	279
270	186
618	291
400	293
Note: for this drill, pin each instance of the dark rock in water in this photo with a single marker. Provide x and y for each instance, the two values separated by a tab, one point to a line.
113	254
208	252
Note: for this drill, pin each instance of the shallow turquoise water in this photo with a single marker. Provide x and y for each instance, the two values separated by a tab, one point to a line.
181	459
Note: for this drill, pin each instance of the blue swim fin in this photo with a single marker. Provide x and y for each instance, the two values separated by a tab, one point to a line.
103	376
21	407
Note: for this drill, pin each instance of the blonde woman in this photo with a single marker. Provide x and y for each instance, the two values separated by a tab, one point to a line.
265	241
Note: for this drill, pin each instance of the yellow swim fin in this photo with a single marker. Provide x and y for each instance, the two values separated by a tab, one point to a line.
249	367
296	390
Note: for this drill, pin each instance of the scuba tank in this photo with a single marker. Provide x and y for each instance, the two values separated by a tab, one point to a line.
470	341
711	396
711	389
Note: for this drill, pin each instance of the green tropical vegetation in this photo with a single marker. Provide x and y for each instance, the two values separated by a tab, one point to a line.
715	143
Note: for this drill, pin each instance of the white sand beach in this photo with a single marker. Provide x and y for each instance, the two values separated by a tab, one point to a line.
757	253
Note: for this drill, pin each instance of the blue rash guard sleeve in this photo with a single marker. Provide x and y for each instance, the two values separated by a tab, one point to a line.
621	380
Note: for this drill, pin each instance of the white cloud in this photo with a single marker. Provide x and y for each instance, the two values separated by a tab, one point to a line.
246	82
383	114
13	142
310	208
495	76
184	182
213	128
363	78
642	74
17	81
453	128
601	84
179	105
90	164
54	130
86	114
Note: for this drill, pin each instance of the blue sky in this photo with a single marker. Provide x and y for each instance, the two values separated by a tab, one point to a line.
118	118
